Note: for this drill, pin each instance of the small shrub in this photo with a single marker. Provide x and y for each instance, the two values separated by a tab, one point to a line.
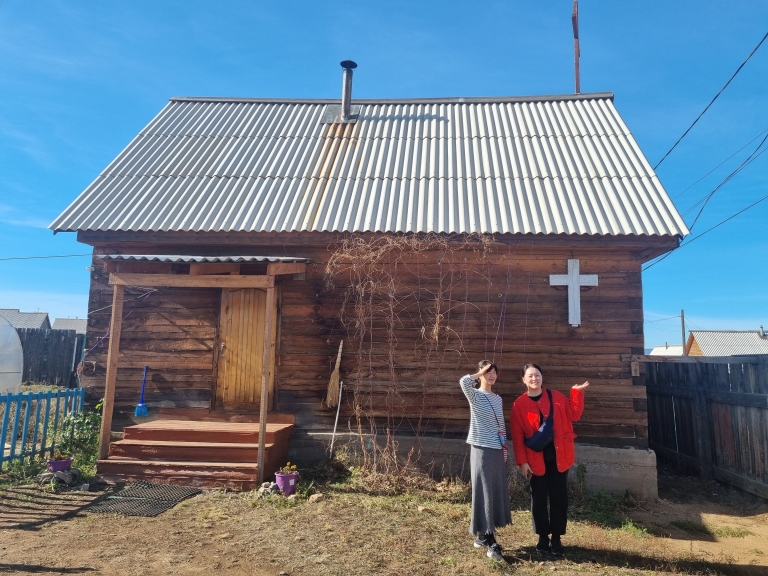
81	439
730	532
23	471
304	490
629	526
599	507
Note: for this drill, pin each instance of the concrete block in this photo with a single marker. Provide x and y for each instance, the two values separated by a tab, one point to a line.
618	469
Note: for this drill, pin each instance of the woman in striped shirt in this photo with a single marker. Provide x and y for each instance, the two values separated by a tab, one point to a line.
488	455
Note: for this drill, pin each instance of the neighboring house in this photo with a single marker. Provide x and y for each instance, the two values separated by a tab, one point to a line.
26	319
667	350
77	324
727	342
257	187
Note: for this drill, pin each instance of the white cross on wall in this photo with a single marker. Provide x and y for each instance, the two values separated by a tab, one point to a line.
574	281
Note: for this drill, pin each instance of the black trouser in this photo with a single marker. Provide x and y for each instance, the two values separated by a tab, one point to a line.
553	485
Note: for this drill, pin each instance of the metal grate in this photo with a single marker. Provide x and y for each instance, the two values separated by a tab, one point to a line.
144	499
165	492
131	506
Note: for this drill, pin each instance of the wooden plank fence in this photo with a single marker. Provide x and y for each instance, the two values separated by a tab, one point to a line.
35	423
711	414
50	356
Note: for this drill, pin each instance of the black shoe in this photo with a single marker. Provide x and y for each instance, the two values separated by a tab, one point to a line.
557	547
484	540
494	553
543	546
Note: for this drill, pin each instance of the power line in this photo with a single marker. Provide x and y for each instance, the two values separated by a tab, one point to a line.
755	203
711	102
721	163
744	164
662	319
45	257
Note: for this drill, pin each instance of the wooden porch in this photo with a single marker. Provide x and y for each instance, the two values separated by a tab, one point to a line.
236	442
213	454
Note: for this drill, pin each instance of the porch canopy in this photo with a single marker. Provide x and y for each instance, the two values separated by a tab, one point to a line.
222	271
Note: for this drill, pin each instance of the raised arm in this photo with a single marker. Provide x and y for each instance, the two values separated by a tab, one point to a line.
576	403
466	383
468	388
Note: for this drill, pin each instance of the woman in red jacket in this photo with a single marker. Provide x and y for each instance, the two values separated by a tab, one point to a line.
547	468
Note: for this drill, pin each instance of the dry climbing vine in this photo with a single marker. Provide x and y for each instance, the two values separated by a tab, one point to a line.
407	284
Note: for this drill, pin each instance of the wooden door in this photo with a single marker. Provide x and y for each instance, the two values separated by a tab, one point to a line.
241	348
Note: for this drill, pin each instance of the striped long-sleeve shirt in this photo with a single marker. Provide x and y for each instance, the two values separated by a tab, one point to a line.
487	415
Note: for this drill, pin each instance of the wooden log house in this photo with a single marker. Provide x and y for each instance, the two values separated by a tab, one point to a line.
212	233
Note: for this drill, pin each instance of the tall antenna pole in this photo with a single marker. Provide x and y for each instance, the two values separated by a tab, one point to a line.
576	50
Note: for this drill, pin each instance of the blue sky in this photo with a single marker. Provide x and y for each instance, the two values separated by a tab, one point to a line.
78	80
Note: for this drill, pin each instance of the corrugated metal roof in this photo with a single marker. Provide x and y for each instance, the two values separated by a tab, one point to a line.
183	258
20	319
730	342
77	324
542	165
674	350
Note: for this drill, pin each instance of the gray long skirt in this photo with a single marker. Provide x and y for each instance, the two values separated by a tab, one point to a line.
490	494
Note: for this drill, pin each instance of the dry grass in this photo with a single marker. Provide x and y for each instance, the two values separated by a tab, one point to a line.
367	525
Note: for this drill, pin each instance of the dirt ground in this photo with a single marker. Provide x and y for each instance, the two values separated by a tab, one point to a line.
695	528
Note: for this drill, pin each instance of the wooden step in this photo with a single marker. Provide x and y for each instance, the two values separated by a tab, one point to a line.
196	453
191	431
239	476
169	451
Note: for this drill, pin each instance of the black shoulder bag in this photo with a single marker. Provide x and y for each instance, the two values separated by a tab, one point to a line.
546	432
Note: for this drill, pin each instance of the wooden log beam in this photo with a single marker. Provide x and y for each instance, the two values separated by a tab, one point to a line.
187	281
115	328
276	268
266	369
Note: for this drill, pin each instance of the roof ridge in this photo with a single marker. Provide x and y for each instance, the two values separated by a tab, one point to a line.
434	100
731	331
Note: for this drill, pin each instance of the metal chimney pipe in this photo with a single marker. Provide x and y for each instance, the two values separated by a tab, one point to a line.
346	89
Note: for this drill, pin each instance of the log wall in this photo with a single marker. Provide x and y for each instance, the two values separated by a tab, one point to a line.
172	330
176	330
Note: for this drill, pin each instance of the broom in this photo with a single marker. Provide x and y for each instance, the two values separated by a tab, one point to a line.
332	396
141	408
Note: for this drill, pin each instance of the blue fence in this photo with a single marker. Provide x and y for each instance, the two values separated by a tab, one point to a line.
35	423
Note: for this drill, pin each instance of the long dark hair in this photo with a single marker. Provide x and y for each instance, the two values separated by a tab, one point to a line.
482	364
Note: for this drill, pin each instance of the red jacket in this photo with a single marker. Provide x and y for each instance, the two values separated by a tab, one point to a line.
524	422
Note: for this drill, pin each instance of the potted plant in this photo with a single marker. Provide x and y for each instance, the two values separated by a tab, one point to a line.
286	478
60	462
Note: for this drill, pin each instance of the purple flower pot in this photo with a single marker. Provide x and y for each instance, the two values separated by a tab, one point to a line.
287	482
59	465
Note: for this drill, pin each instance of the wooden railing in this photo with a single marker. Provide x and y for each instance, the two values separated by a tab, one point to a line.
35	423
711	414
